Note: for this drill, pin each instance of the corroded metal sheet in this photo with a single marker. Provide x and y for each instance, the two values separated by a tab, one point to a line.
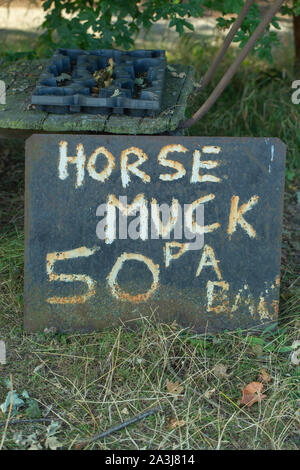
121	226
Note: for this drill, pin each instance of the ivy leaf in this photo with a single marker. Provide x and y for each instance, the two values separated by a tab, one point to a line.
53	428
16	401
33	410
52	443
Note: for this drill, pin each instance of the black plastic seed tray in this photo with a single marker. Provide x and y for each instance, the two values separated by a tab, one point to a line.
126	93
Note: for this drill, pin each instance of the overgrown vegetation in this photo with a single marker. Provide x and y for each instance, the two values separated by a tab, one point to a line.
90	382
104	24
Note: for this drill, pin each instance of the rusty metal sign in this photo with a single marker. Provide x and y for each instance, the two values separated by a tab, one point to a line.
121	226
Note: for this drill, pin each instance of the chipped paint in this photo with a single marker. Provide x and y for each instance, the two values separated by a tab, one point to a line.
127	168
191	223
139	204
125	296
232	281
165	230
263	309
91	166
208	258
211	149
236	216
211	296
208	164
64	161
52	258
162	159
169	256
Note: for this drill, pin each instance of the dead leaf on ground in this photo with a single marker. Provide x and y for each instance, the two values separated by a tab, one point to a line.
257	350
252	393
52	443
220	371
174	388
175	423
209	393
295	356
264	376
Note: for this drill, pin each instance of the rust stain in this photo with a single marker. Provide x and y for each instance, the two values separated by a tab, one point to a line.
275	306
263	308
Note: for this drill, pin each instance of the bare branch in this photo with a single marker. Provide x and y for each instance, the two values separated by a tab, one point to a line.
271	12
236	25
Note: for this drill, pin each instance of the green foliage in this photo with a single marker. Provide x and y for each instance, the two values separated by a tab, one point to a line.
90	24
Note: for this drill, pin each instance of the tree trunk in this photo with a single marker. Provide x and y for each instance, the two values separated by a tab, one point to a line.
296	24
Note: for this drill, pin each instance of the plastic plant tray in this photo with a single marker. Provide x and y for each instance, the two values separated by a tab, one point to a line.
122	95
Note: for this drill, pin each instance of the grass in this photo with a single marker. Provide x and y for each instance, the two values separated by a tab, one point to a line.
91	382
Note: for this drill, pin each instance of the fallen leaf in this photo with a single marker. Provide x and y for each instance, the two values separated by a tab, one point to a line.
209	393
2	353
174	423
62	77
174	388
295	359
35	447
53	428
258	350
12	400
295	356
115	93
252	393
52	443
264	376
220	371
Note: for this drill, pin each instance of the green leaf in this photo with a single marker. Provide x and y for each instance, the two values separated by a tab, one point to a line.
15	400
33	410
256	340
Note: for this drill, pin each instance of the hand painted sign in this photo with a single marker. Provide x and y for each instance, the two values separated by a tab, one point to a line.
119	226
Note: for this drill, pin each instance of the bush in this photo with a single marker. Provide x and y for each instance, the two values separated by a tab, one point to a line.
91	24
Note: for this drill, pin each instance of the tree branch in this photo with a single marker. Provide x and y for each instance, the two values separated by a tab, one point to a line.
234	66
228	40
